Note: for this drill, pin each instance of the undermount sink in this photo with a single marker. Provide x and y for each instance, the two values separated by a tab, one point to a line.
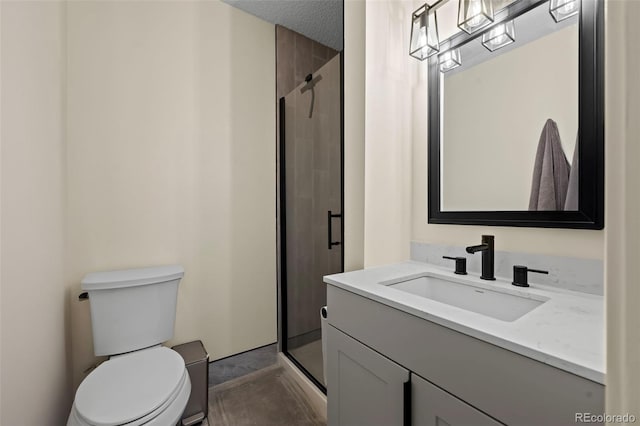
499	305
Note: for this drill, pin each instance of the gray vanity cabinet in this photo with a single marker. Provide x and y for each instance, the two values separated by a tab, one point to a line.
373	390
364	388
431	406
456	379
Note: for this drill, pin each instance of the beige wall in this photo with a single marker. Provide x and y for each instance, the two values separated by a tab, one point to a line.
622	202
494	113
622	205
390	171
171	159
387	133
147	139
35	380
1	132
354	128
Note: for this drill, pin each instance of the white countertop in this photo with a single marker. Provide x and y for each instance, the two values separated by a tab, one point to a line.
566	332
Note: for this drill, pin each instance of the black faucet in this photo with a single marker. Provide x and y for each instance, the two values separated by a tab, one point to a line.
487	256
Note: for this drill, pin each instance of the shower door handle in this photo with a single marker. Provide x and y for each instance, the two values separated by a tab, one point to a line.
329	233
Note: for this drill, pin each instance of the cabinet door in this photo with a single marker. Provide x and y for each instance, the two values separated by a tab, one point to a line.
431	406
363	387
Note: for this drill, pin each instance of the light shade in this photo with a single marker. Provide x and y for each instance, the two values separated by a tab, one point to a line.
499	36
450	60
424	34
563	9
474	14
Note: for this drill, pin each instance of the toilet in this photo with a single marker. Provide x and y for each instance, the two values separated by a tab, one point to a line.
142	383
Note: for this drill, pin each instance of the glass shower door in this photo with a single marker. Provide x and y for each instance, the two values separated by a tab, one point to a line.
311	209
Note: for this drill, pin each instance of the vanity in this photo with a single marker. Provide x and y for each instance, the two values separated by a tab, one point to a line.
416	344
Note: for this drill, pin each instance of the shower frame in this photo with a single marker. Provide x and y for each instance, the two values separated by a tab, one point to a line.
282	311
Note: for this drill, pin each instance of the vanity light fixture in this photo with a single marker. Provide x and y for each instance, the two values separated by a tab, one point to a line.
450	60
474	15
563	9
424	33
499	36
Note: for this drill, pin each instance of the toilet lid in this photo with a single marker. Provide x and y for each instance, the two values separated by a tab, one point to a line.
129	387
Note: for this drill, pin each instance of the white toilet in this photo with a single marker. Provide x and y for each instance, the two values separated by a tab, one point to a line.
132	313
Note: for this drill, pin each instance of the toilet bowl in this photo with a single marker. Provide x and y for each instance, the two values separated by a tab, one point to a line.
146	387
142	383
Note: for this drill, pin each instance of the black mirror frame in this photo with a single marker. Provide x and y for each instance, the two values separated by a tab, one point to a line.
591	124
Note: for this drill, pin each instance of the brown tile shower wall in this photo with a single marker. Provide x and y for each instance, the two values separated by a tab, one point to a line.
297	56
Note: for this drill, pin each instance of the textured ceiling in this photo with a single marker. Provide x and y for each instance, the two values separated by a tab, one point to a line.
320	20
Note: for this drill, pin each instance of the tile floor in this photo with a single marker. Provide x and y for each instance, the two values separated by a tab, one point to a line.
239	365
267	397
252	389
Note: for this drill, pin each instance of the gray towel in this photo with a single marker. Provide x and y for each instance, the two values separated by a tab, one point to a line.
550	171
572	202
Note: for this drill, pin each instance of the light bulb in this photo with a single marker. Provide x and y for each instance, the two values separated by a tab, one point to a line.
450	60
568	7
499	36
563	9
422	39
474	14
474	10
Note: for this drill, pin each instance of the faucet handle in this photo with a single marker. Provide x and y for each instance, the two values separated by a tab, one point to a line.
520	275
461	264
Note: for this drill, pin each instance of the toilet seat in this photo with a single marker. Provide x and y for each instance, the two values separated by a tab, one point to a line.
138	388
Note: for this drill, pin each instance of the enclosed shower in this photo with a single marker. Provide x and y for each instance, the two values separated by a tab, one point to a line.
311	200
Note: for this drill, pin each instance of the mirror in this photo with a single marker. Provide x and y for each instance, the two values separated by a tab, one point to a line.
501	101
515	119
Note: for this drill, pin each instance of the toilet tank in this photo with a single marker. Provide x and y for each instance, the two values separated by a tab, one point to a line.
132	309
